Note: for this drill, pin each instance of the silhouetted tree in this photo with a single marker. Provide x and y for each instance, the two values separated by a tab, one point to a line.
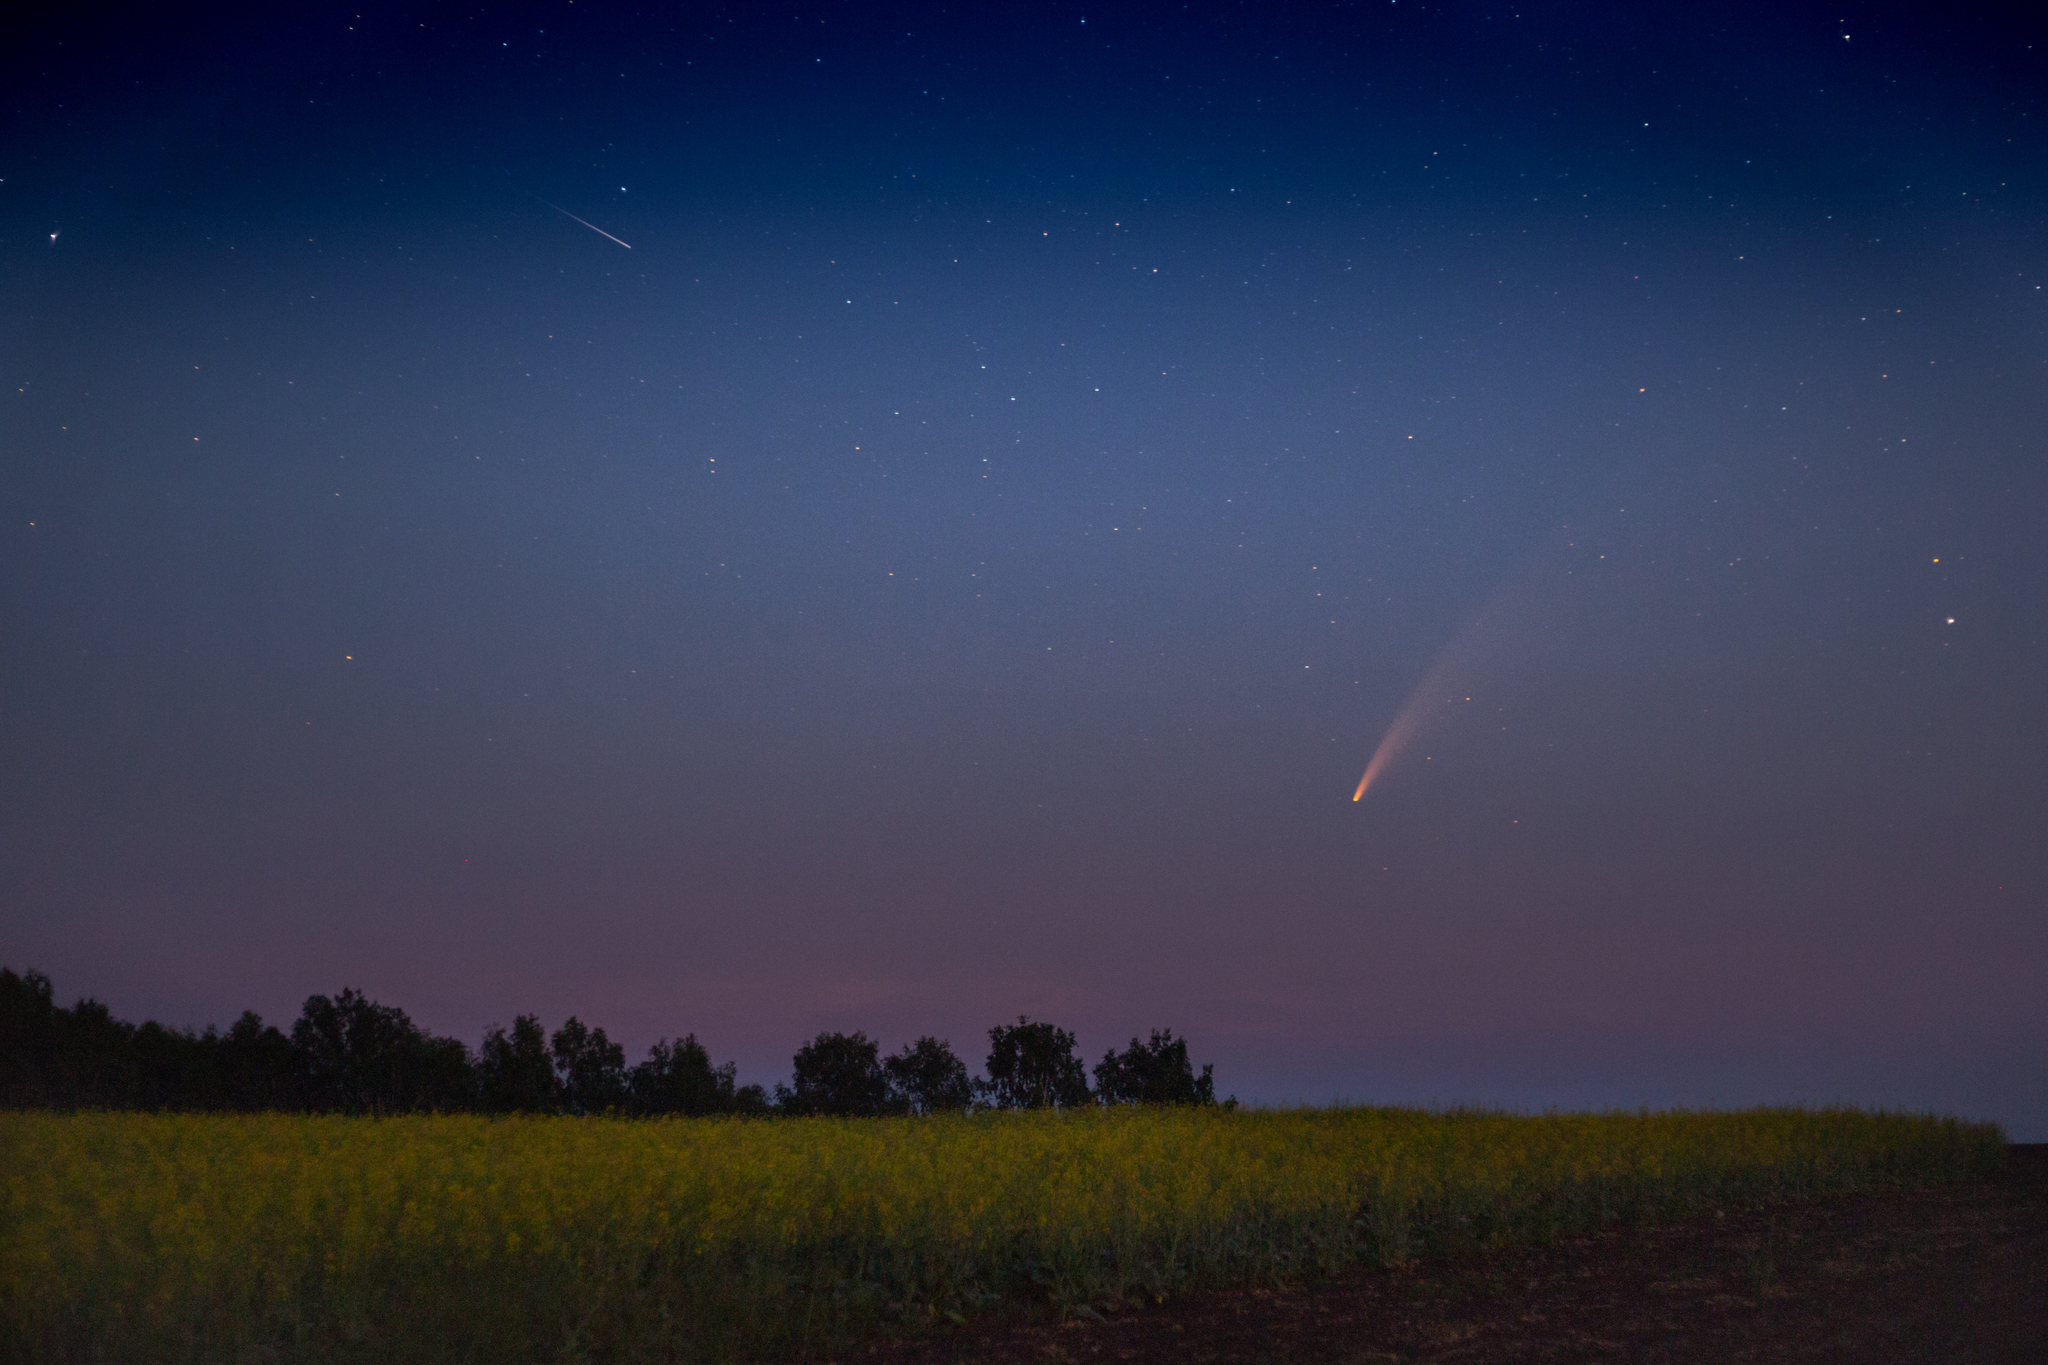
515	1073
351	1055
83	1057
592	1069
678	1078
358	1057
926	1078
1157	1072
443	1076
836	1073
256	1059
96	1066
31	1038
1033	1066
176	1069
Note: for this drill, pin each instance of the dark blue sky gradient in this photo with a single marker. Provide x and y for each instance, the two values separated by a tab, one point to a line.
958	561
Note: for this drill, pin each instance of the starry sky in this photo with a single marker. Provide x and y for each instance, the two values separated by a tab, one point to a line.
957	561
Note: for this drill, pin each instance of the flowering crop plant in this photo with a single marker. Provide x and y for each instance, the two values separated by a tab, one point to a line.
146	1238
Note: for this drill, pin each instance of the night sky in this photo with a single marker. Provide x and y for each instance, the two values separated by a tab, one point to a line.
959	559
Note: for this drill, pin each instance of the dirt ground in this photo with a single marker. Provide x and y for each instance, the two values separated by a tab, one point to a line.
1956	1276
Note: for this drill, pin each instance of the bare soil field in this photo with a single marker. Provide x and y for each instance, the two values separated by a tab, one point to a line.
1954	1275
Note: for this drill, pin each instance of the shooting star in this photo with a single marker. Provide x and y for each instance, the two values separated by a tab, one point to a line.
592	226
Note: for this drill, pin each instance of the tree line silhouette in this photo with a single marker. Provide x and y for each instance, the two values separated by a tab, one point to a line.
350	1055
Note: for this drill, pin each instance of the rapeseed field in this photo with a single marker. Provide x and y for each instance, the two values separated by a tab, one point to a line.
171	1238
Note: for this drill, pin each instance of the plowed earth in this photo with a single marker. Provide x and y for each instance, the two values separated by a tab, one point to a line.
1952	1275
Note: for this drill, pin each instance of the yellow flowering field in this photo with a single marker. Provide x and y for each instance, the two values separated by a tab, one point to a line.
141	1238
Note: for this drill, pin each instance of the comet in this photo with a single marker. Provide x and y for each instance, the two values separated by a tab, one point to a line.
1398	734
1480	637
592	226
1517	620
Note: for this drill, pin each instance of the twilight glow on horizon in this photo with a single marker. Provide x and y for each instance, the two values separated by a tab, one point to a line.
959	559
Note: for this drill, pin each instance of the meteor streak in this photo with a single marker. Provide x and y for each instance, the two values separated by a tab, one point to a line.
592	226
